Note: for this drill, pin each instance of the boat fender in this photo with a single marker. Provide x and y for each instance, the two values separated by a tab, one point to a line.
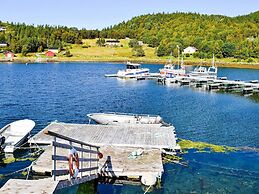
148	179
73	156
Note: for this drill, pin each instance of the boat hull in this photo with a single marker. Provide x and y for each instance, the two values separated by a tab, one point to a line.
133	73
16	133
118	118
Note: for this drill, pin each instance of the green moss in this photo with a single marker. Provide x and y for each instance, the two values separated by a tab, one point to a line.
24	173
201	146
173	157
8	160
24	159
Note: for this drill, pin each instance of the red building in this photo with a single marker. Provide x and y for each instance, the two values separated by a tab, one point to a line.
50	54
9	54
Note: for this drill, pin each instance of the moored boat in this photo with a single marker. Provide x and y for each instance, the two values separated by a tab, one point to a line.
14	134
172	70
203	72
133	70
125	118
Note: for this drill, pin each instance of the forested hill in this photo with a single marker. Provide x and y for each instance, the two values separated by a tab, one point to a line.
224	36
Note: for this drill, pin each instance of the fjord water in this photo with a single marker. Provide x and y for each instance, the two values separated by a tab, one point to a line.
68	91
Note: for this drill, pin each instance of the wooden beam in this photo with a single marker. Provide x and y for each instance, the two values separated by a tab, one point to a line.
65	171
51	133
88	169
65	158
66	146
60	172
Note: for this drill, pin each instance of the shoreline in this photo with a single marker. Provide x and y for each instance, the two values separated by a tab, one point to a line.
142	61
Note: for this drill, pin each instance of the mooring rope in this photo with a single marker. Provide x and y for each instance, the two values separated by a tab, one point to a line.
17	171
147	189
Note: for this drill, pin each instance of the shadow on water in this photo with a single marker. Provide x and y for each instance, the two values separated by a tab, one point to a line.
86	188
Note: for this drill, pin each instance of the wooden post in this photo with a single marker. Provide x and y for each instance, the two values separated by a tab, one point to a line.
81	164
90	156
97	162
54	161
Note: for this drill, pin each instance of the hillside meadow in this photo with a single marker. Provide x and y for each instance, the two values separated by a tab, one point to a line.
88	51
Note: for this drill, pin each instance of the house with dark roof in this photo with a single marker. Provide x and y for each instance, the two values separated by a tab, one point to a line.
112	42
3	44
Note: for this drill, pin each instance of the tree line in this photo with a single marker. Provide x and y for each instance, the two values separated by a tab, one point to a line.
224	36
22	38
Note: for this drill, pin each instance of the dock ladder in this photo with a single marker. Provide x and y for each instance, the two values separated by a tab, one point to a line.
88	160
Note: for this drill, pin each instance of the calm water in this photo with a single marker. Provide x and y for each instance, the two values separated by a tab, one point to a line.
67	92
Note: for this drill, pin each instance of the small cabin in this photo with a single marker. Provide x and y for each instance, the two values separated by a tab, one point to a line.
50	54
132	65
112	43
189	50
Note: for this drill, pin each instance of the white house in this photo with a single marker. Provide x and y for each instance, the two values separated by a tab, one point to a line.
2	28
3	44
140	43
189	50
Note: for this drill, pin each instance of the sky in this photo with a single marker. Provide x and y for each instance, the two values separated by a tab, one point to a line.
97	14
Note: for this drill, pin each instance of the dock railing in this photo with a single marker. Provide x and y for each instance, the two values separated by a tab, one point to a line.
88	155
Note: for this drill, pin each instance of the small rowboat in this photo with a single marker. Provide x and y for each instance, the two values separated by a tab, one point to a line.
125	118
14	134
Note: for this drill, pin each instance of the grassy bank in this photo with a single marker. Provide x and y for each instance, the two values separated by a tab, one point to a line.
89	52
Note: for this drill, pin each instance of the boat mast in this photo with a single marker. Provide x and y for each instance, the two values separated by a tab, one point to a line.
178	54
170	58
213	60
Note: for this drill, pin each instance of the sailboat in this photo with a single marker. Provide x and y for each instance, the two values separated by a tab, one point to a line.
172	70
203	72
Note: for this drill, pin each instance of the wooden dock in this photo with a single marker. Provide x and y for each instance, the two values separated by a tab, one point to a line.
144	136
116	162
118	144
242	87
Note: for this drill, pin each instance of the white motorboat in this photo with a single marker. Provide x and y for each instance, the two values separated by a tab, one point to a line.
14	134
133	70
203	72
125	118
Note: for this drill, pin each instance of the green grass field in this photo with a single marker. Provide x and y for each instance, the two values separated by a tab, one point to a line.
124	53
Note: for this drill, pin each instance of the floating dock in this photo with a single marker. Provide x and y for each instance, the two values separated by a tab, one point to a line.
117	143
215	84
140	135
